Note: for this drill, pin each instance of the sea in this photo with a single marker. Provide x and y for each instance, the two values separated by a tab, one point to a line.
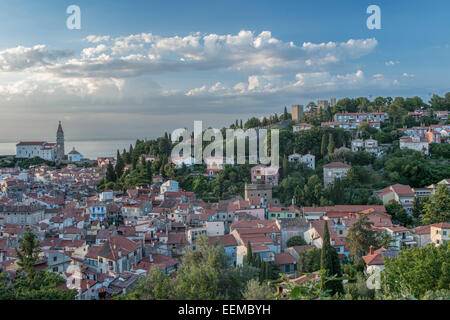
91	149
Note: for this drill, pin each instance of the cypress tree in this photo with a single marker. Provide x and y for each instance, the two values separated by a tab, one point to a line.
285	166
266	270
249	257
330	144
110	174
119	166
323	146
129	154
329	262
149	171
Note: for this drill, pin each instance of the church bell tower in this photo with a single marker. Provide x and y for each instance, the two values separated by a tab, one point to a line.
59	144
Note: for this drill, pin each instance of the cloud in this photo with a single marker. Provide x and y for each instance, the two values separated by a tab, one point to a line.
146	53
97	39
391	63
22	58
120	74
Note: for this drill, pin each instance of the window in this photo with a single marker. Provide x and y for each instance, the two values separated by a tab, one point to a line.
55	258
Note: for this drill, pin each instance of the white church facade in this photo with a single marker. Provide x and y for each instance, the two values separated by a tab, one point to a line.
42	149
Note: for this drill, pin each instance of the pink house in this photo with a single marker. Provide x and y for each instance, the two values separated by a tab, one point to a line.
265	174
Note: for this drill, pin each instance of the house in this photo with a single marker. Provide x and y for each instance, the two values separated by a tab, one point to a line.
124	283
75	156
309	160
369	145
334	170
422	235
439	233
314	236
57	261
131	212
172	244
97	212
114	256
180	161
261	191
359	117
301	127
296	251
290	228
275	213
263	235
106	195
22	214
287	263
415	143
401	236
264	174
167	264
229	244
169	186
400	193
215	228
375	259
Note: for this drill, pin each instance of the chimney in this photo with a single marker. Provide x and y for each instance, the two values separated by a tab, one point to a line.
371	250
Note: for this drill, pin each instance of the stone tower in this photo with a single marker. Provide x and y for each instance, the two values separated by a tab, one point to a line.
59	144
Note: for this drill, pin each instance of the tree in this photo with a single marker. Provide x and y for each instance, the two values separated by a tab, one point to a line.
110	173
437	207
329	263
119	166
249	258
360	237
156	286
323	145
330	144
397	110
416	271
148	167
169	172
31	284
129	154
309	261
296	241
398	213
28	253
258	291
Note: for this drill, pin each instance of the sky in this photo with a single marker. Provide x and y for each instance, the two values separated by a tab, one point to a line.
136	68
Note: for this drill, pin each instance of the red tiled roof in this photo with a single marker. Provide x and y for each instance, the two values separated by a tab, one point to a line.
284	258
441	225
227	240
337	165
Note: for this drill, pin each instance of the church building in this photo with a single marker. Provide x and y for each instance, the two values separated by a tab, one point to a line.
42	149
